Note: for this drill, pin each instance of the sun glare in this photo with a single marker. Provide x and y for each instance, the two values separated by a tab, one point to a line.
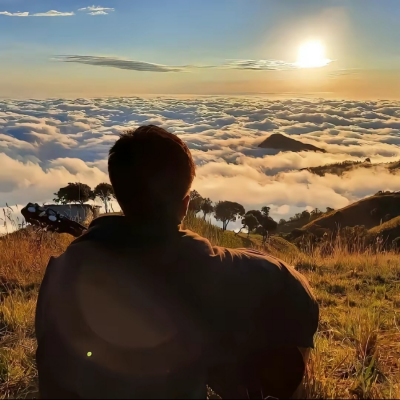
312	55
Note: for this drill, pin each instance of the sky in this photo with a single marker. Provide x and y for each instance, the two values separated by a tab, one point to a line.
54	48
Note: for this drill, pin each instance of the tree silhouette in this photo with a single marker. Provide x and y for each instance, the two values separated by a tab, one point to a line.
227	211
257	213
251	222
316	213
265	210
61	197
267	225
195	202
73	193
105	192
207	207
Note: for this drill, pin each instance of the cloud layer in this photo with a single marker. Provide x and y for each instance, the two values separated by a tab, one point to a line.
46	144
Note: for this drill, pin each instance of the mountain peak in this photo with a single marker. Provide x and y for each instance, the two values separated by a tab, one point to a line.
285	143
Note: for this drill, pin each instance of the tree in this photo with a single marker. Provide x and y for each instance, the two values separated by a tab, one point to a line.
297	216
105	192
251	222
305	214
60	198
195	202
73	193
267	225
265	210
329	209
194	194
257	213
282	221
207	207
316	213
227	211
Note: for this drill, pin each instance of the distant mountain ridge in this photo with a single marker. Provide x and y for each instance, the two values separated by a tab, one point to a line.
281	142
341	168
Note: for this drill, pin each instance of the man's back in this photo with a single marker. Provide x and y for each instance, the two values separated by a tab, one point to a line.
132	313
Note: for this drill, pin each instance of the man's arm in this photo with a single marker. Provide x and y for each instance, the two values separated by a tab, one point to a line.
280	317
277	374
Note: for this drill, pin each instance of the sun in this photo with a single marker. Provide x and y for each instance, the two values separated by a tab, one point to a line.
312	55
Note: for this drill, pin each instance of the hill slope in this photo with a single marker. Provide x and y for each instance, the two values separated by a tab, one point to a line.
284	143
368	212
389	230
289	226
218	237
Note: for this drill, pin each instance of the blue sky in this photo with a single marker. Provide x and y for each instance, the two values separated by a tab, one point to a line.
360	36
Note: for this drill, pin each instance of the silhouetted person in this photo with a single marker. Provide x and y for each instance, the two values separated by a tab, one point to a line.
137	308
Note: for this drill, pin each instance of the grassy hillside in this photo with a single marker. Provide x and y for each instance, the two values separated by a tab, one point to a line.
217	237
389	230
289	226
391	224
357	351
360	213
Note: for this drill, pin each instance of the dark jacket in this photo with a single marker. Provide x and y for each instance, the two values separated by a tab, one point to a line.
131	312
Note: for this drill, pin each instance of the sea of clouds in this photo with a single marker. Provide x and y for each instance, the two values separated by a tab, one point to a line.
45	144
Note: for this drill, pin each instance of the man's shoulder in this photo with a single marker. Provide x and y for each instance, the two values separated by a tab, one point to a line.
195	243
245	264
227	255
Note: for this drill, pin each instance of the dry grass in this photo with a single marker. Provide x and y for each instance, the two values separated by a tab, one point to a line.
23	259
357	348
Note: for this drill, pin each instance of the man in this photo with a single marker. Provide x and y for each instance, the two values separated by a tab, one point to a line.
137	308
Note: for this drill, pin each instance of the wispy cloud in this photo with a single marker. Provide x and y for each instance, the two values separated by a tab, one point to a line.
341	72
51	13
91	10
98	13
261	65
97	10
120	63
17	14
114	62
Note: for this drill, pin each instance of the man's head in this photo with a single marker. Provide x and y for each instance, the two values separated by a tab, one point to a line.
151	171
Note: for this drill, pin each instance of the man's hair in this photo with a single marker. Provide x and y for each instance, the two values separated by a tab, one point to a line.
151	171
